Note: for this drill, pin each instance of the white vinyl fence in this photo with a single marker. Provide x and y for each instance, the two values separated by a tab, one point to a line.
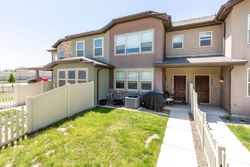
5	88
7	100
12	126
215	154
17	97
59	103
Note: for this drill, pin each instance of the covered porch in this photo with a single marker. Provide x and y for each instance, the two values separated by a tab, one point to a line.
209	74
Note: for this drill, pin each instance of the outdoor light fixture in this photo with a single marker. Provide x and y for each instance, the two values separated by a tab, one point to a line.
221	79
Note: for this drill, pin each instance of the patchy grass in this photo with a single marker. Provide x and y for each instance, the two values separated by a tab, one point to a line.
99	137
243	134
4	97
7	112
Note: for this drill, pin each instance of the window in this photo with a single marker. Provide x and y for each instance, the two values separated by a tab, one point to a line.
132	43
82	76
72	76
120	80
248	82
146	41
205	39
132	80
120	45
146	80
98	47
61	54
178	41
248	29
80	48
61	78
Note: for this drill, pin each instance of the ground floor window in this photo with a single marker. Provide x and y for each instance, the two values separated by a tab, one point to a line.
248	82
72	76
120	79
146	80
134	79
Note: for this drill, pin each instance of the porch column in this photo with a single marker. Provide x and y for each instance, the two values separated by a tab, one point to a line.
37	74
159	79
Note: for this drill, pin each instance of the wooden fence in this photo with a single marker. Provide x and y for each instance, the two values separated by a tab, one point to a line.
59	103
12	126
215	154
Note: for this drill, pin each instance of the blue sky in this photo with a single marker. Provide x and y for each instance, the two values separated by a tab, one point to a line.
29	27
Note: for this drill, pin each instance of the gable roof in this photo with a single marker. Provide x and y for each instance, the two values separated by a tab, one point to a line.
166	19
226	9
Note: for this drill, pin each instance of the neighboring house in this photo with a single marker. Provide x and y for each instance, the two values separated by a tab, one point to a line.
146	51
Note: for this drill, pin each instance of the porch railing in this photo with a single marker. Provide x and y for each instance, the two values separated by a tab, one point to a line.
215	154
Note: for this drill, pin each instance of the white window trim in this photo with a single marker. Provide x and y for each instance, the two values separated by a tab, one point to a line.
76	74
136	53
248	71
65	79
126	78
80	50
152	86
200	39
82	69
71	69
173	42
102	38
139	70
248	29
119	80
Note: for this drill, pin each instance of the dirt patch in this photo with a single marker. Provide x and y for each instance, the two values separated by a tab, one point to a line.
150	139
48	153
63	130
201	159
236	121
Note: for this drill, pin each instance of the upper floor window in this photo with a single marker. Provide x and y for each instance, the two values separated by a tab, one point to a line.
205	39
248	82
61	54
178	41
248	29
98	47
80	48
138	42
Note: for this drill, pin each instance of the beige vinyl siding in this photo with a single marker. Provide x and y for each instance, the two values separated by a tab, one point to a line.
92	76
89	47
191	42
213	72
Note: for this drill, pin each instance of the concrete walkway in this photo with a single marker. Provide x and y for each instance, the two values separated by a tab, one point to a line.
237	154
177	149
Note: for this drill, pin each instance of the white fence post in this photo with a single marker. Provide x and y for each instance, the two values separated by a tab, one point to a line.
29	114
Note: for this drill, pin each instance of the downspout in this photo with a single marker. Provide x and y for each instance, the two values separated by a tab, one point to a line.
230	80
97	83
162	68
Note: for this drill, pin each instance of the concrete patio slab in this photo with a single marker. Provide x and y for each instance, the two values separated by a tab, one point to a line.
178	148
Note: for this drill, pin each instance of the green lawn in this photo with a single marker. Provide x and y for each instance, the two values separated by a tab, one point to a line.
242	133
99	137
